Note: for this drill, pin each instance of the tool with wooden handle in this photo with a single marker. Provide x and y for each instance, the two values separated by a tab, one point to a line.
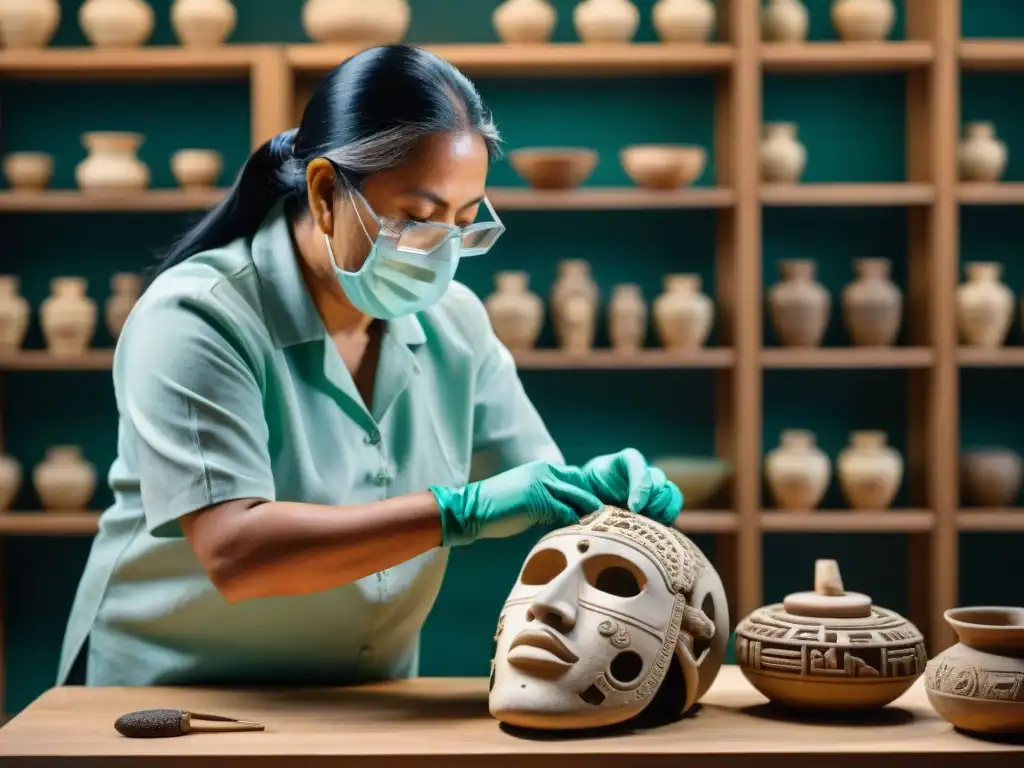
164	723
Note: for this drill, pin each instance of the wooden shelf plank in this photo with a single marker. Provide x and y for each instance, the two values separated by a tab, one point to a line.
992	54
607	359
848	357
41	360
597	198
698	521
578	59
146	63
984	520
847	194
56	523
76	201
846	57
999	357
980	193
827	521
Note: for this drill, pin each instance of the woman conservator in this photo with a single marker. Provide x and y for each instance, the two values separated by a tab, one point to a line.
300	390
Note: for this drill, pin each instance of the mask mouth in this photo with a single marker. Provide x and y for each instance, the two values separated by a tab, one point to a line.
540	651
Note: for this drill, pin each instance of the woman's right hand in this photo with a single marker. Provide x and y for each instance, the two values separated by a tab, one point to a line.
537	493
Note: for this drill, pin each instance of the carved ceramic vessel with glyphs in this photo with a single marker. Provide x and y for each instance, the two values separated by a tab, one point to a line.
609	619
829	649
978	684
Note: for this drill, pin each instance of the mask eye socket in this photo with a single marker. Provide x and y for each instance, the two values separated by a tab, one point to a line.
542	567
614	575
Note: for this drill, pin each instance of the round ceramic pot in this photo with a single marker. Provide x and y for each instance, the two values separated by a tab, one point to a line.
203	23
28	23
863	20
606	21
28	171
683	316
798	305
517	314
990	477
783	158
684	21
797	471
111	164
64	480
68	317
574	305
869	471
984	306
10	481
14	315
196	168
381	22
125	290
627	318
981	156
116	23
784	21
525	21
872	305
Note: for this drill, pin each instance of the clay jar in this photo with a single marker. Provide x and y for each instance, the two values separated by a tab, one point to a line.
797	471
64	480
10	481
28	23
125	289
863	20
525	21
14	314
829	650
981	156
356	21
116	23
990	477
606	21
798	305
627	318
68	317
28	171
984	306
683	316
872	305
784	21
196	168
574	298
869	471
782	157
977	684
683	21
516	313
111	164
203	23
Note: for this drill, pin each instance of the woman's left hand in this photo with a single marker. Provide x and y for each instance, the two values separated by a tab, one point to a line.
625	479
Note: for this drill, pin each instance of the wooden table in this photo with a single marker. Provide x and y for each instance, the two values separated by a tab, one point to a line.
444	722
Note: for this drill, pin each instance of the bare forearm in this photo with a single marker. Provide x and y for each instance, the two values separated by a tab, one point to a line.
275	549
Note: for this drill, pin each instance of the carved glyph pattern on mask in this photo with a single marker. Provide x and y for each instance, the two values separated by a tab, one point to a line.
616	633
958	677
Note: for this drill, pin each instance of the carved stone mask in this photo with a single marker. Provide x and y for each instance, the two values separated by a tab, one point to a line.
602	614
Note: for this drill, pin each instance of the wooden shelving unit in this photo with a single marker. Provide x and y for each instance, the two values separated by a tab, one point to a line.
932	58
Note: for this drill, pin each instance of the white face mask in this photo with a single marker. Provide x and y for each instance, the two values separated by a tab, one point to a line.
600	612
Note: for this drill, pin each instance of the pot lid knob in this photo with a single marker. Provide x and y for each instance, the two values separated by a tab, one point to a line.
828	600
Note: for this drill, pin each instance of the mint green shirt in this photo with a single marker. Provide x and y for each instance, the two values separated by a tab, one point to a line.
228	387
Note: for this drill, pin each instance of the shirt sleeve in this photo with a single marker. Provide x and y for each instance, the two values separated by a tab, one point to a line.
190	390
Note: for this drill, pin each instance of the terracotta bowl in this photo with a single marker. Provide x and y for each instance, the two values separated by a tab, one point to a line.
663	166
554	168
699	478
28	170
196	168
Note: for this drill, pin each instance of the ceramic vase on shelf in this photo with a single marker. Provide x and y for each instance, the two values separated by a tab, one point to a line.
379	22
627	318
872	305
203	23
869	471
684	21
797	471
14	314
683	316
517	314
784	21
68	317
10	480
196	168
606	21
990	477
125	290
28	23
64	480
574	305
798	305
111	163
783	158
981	156
116	23
525	21
28	171
863	20
984	306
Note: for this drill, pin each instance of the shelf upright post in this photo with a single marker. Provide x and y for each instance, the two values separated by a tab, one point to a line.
271	97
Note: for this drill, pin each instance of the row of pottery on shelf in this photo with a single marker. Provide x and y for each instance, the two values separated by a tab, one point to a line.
798	472
68	316
117	23
650	166
64	479
683	316
112	164
990	477
787	21
981	157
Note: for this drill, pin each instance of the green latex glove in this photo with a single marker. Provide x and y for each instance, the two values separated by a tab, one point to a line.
537	493
625	479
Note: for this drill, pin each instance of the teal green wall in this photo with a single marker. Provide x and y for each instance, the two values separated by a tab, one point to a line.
854	130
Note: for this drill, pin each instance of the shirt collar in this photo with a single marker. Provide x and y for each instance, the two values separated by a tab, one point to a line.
290	312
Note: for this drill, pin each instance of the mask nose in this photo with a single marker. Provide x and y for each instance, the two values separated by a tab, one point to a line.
557	605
